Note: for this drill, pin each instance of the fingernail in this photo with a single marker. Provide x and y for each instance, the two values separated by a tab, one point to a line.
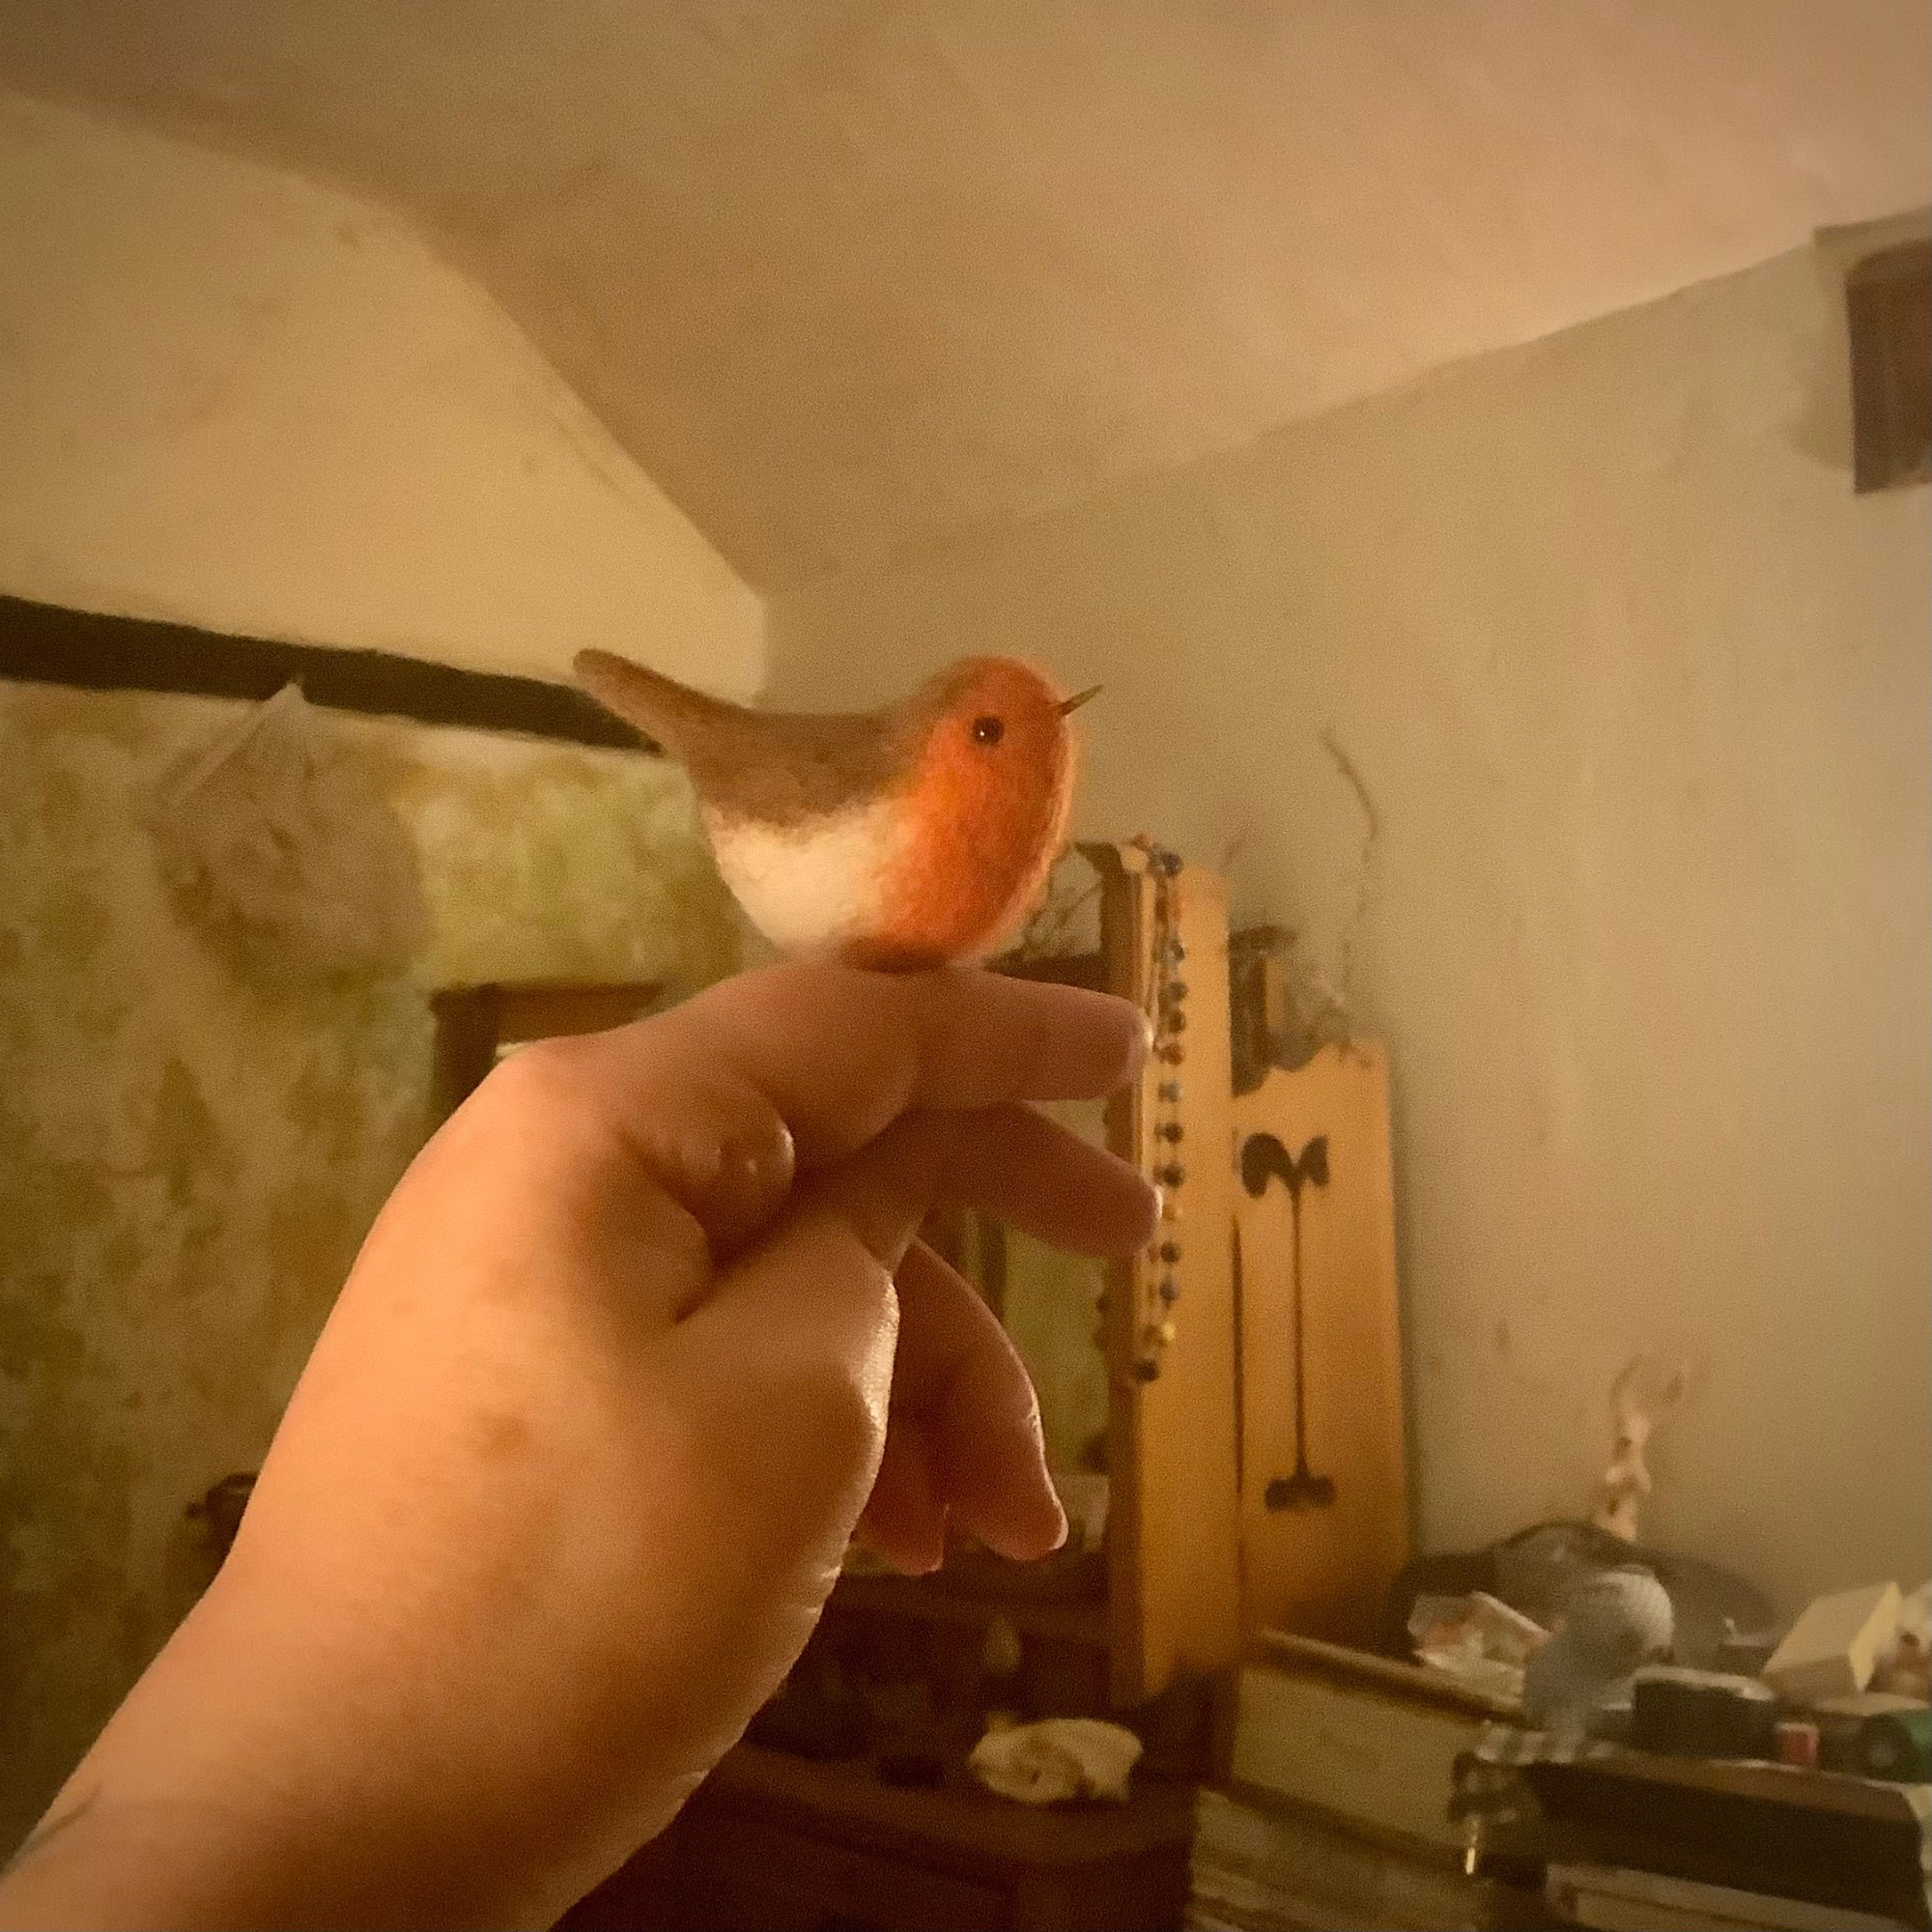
1028	1521
1043	1529
736	1184
1144	1045
928	1562
1065	1528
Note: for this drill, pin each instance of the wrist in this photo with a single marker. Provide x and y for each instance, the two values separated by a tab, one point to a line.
231	1792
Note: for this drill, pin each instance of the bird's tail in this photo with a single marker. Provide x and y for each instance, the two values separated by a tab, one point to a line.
659	706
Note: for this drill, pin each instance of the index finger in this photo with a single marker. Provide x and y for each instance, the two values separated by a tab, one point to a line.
840	1054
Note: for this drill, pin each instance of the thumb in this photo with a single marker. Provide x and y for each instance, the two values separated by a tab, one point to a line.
789	1361
782	1383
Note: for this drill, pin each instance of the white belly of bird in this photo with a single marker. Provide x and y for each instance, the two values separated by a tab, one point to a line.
813	887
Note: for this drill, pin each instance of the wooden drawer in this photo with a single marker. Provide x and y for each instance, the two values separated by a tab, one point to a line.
740	1875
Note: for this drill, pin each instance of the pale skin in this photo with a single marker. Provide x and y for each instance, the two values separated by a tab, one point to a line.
637	1346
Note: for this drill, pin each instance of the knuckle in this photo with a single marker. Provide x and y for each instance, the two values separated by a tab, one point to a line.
746	1124
846	1422
536	1099
842	1396
539	1074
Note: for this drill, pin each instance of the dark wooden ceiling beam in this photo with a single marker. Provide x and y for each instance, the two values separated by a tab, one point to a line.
49	644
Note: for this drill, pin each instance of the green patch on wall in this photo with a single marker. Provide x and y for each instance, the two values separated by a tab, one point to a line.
188	1161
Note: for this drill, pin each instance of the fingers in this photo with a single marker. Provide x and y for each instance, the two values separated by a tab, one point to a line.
882	1194
801	1333
1009	1162
818	1294
904	1519
723	1101
859	1405
1037	1175
610	1116
806	1121
963	1441
785	1372
838	1054
959	1377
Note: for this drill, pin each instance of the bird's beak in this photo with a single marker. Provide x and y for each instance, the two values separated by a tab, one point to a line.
1080	697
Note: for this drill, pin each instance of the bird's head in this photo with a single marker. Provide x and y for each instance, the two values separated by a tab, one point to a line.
991	794
999	749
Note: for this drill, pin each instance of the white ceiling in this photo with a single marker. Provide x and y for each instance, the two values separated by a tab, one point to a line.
848	276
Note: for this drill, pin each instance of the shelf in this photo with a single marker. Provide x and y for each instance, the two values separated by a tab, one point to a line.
1059	969
805	1791
1077	1620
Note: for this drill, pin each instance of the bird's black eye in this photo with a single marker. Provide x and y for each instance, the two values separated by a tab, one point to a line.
987	730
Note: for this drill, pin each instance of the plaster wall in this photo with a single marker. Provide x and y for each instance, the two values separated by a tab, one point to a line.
189	1159
1641	698
239	400
233	399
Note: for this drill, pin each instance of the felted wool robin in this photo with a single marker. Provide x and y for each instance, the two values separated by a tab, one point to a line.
901	839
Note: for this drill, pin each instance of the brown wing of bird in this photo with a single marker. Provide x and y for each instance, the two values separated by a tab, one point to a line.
776	767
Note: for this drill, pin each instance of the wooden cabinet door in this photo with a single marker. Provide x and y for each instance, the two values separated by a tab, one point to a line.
1325	1493
1174	1584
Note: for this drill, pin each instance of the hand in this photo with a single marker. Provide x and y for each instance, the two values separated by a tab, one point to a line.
619	1371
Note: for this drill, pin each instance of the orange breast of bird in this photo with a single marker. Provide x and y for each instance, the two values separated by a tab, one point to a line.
981	836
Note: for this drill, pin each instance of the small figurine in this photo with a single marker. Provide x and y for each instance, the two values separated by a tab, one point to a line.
1610	1626
900	839
1056	1758
1627	1482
